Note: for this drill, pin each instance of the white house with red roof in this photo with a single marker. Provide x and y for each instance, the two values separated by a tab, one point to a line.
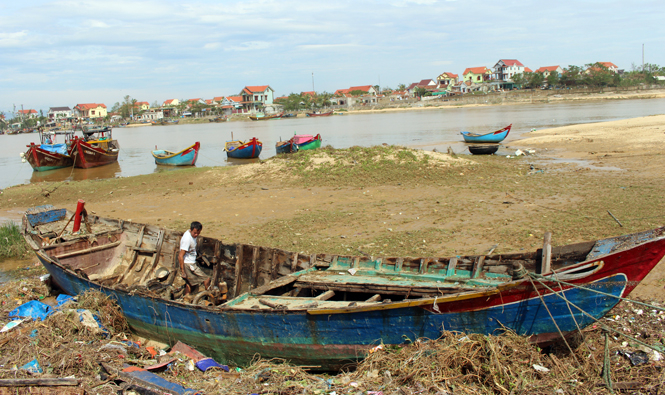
55	113
90	110
610	66
505	69
170	103
142	105
28	113
256	98
547	70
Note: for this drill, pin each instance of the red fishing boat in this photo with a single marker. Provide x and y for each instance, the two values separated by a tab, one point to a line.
320	114
96	148
49	154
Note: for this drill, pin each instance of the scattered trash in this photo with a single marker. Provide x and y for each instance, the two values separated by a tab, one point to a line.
209	363
352	271
540	368
32	367
11	325
519	152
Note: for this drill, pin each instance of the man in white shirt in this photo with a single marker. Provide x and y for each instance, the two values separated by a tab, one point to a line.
189	269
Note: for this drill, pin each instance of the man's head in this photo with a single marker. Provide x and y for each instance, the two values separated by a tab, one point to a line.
195	229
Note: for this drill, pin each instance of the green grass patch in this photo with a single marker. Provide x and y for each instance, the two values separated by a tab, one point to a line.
12	244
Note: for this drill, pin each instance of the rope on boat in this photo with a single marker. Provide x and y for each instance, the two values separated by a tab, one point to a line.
535	275
597	321
606	364
554	321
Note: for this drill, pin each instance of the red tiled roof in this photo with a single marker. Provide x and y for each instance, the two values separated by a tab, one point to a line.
218	98
511	62
476	70
450	75
413	85
208	101
237	99
88	106
256	89
27	111
341	91
425	82
229	106
309	93
364	88
527	70
140	103
193	100
546	68
609	65
169	101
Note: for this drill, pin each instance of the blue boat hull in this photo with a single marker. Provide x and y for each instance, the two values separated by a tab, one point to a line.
249	152
494	137
186	157
333	340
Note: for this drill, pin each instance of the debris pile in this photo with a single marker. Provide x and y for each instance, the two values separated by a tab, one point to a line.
85	341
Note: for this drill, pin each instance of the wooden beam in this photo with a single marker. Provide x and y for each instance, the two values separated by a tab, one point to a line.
254	273
132	261
546	260
398	264
294	262
452	264
478	267
89	250
44	382
238	281
326	295
374	298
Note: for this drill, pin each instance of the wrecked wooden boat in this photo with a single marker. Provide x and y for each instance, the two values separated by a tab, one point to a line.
325	310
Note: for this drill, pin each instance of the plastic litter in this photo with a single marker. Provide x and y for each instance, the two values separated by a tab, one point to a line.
11	325
33	309
540	368
352	271
32	367
209	363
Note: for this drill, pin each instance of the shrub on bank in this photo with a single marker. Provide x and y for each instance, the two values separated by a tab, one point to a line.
12	244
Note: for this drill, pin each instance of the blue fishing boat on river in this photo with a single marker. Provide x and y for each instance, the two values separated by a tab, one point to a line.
327	310
492	137
243	150
186	157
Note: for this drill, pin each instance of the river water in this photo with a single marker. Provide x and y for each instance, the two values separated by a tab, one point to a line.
426	129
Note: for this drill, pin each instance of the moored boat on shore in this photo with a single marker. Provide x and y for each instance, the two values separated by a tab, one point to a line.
96	148
492	137
186	157
49	154
339	306
320	114
237	149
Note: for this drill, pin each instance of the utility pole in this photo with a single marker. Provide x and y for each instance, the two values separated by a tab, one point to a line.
643	58
313	83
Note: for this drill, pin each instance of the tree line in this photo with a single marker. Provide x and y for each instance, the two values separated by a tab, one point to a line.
590	75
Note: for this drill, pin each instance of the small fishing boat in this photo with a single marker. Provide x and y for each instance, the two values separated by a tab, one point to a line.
50	155
286	147
320	114
218	119
483	149
186	157
164	122
240	150
265	117
492	137
96	148
307	141
326	310
289	115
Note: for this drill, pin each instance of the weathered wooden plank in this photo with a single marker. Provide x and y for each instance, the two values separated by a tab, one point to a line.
326	295
254	273
398	265
546	261
478	267
377	263
374	298
452	265
89	250
294	262
275	265
238	280
424	264
48	382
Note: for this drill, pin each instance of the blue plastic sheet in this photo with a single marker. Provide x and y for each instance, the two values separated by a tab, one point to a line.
57	148
33	309
33	367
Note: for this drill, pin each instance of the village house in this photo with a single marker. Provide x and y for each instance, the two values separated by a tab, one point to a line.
230	104
505	69
447	78
142	105
27	114
256	98
477	75
364	94
611	67
171	103
57	113
547	70
90	110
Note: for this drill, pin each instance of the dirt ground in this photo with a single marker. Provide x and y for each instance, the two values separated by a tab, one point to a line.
445	205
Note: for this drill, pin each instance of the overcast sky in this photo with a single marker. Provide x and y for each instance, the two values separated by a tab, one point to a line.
60	53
